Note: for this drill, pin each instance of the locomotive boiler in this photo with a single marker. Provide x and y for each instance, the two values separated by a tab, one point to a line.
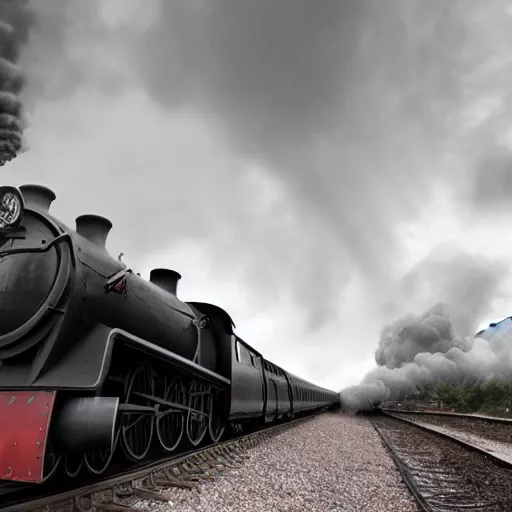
97	362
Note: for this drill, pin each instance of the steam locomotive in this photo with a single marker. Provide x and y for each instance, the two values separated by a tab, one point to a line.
95	361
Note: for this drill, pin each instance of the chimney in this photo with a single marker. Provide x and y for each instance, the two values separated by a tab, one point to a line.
166	279
94	227
37	197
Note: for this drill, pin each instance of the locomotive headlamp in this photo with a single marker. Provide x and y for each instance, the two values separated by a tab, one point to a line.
11	207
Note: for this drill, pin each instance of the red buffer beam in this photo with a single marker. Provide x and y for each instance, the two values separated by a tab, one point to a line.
24	421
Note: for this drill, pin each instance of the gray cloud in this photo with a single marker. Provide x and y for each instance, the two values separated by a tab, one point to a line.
349	109
467	283
310	93
344	103
70	48
492	185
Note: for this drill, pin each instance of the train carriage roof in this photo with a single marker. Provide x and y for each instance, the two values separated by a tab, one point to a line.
501	327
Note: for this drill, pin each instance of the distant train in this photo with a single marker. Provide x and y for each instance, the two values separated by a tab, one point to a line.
97	363
501	327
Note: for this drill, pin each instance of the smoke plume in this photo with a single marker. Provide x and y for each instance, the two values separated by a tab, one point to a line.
15	21
417	351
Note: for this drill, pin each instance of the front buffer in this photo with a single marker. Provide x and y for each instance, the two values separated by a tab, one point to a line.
24	423
78	424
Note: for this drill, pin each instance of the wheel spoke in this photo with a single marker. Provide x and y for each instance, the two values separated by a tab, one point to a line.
170	424
199	400
218	414
136	428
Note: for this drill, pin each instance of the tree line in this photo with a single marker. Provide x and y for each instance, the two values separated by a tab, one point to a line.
491	397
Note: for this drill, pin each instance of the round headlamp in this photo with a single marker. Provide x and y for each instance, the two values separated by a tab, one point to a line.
11	207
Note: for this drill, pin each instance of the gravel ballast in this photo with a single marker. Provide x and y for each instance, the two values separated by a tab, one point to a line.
332	463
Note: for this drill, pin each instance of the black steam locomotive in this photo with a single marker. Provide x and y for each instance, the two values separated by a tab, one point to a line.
96	361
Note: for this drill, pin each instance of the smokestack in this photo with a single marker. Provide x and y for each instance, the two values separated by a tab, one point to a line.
166	279
94	227
38	197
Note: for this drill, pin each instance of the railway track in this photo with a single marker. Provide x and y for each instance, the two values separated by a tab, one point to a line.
446	414
493	435
442	471
118	493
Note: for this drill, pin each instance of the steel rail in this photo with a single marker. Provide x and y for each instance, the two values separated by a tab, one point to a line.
407	475
490	419
470	446
404	472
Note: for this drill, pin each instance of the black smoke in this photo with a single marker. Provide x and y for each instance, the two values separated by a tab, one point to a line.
16	19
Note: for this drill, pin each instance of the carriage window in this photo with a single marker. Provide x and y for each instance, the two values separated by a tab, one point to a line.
254	359
245	356
238	355
257	362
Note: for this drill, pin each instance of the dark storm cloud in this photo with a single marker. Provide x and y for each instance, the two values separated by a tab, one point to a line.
349	104
341	100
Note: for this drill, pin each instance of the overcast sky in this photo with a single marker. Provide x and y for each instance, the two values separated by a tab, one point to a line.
315	168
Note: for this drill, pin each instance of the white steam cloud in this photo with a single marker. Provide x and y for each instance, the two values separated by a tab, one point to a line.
418	351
